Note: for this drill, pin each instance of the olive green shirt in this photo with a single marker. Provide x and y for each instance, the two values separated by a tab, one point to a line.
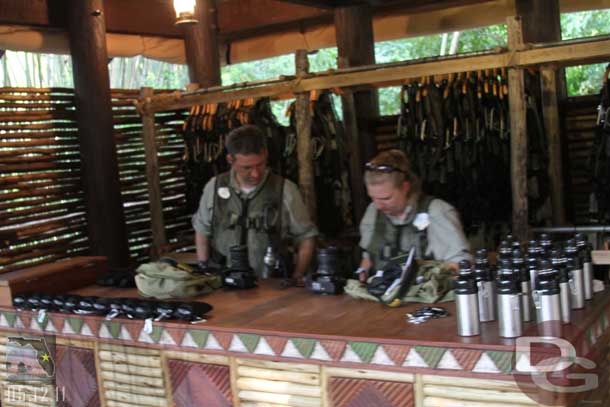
296	223
446	239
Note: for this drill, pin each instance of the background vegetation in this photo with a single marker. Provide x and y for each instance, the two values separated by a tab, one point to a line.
45	70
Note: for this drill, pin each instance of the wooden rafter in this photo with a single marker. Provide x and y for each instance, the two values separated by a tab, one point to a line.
566	53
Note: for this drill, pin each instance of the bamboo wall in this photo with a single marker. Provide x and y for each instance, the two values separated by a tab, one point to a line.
132	171
41	195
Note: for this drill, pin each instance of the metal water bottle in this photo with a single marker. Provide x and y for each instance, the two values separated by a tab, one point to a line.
269	263
467	306
486	292
577	284
524	279
509	308
565	294
505	250
587	264
545	244
532	262
546	297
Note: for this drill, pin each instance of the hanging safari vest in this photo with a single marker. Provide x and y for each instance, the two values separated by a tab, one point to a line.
400	237
255	221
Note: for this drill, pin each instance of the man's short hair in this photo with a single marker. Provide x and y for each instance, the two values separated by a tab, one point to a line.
246	140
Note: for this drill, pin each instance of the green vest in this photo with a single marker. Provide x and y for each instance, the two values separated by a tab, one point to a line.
255	221
398	238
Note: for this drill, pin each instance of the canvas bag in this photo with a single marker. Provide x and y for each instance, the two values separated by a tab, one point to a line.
163	281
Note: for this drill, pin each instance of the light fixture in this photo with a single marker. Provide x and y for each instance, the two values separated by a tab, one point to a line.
185	11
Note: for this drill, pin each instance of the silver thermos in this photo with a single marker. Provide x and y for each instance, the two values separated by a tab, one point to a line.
565	294
533	254
505	250
560	271
467	306
524	280
577	283
546	298
545	244
587	264
509	308
269	263
486	292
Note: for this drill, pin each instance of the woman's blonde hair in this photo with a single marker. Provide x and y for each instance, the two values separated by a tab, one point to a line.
392	166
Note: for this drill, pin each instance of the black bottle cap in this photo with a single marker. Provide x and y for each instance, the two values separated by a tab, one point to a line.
508	287
463	286
547	287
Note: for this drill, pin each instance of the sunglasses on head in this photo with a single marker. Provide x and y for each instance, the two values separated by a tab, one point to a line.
382	168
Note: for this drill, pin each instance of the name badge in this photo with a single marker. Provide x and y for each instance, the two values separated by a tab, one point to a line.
224	192
421	221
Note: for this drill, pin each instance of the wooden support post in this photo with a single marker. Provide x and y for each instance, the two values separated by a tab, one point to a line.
356	47
201	46
355	156
550	110
540	22
518	135
152	177
100	175
304	153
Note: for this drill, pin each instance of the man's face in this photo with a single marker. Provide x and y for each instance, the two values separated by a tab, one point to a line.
388	198
249	169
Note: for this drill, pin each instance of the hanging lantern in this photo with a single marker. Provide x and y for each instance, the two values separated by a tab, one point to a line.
185	11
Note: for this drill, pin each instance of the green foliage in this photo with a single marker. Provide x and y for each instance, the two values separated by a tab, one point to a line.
585	79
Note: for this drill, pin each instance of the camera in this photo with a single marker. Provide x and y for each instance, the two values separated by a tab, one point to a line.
327	279
239	274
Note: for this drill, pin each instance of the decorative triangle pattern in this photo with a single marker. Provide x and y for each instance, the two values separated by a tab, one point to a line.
397	353
177	334
114	328
414	359
200	336
466	358
503	360
448	361
188	341
156	333
486	365
430	354
364	350
212	343
291	351
305	346
75	324
334	349
350	356
319	353
250	341
263	348
224	339
11	318
237	345
277	343
381	358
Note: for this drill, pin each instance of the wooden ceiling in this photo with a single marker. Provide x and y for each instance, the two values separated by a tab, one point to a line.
237	19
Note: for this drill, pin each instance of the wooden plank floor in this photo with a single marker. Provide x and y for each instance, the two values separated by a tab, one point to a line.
270	309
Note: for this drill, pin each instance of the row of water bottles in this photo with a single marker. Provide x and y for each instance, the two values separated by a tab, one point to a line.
544	284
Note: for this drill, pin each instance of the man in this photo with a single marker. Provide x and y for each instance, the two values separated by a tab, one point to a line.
249	205
401	216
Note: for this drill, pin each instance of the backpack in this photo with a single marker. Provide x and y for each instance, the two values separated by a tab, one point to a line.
162	281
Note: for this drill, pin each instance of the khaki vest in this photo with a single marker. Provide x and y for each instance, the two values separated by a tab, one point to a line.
400	238
256	221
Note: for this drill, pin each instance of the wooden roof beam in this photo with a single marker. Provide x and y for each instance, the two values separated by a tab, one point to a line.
565	53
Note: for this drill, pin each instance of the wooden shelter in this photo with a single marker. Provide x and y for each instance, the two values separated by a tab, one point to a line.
272	347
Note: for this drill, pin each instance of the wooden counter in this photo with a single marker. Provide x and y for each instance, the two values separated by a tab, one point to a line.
275	347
